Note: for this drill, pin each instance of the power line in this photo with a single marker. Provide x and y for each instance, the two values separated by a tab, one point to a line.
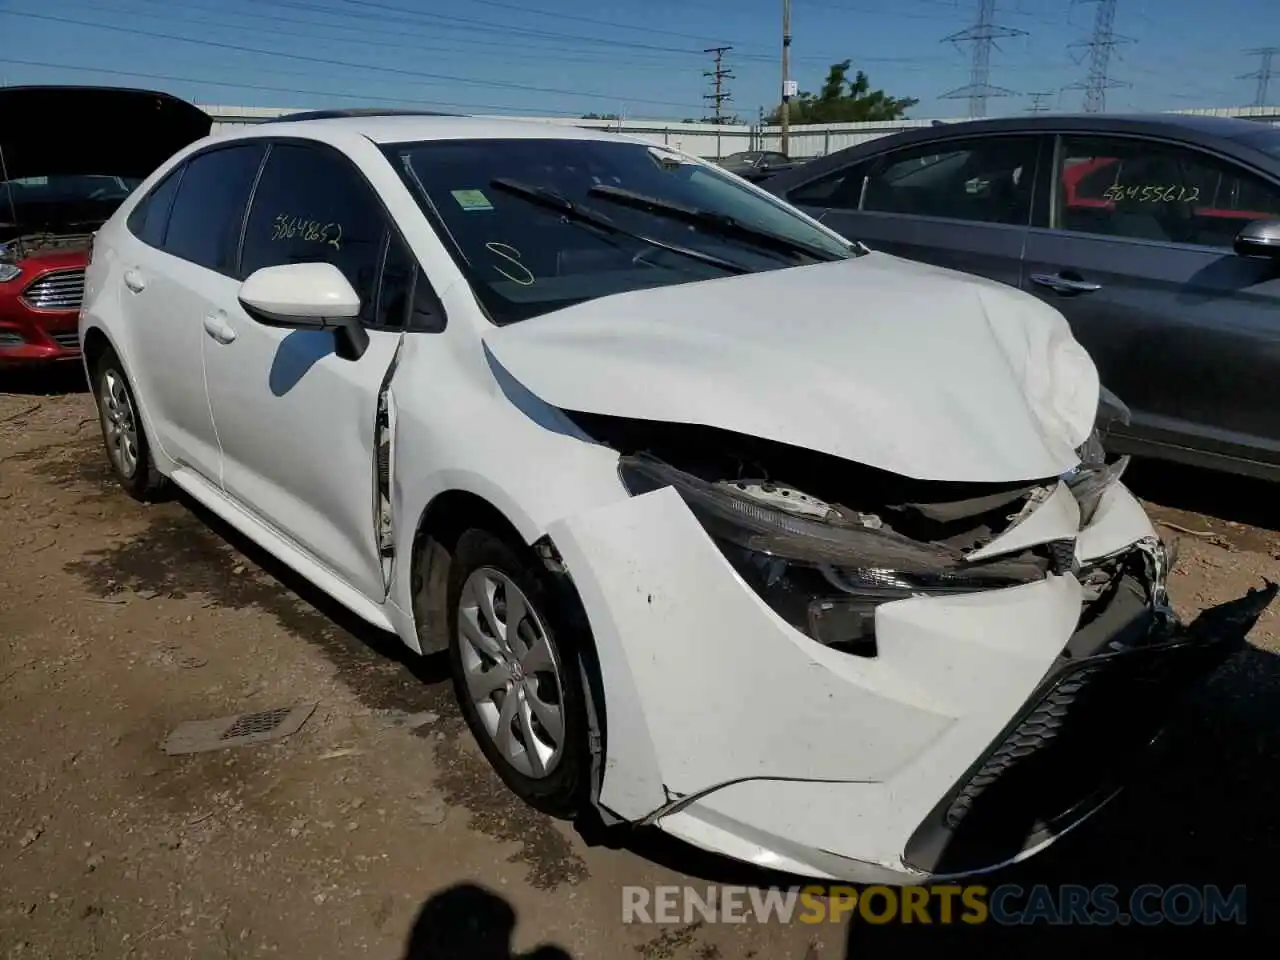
395	71
1038	102
718	95
982	36
200	81
1101	42
601	57
436	21
1263	74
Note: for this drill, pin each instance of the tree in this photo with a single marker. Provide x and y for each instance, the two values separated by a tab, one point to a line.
842	100
600	116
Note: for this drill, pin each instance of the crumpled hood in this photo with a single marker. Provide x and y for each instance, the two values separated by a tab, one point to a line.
910	368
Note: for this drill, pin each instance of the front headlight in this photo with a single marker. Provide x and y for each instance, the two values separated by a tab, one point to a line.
9	271
823	573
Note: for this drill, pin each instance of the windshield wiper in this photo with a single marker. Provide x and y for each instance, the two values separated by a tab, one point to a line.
720	223
585	215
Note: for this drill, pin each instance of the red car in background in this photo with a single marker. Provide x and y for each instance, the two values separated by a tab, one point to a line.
60	179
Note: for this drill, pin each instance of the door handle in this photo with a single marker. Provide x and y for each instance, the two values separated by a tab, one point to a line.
1060	284
215	324
134	281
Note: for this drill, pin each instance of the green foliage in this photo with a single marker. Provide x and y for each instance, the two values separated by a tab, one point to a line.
842	100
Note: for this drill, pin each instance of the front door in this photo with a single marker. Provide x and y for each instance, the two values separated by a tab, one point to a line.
1139	259
296	422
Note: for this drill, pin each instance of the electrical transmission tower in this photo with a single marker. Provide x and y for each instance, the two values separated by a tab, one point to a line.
1101	42
719	96
1038	104
982	36
1263	74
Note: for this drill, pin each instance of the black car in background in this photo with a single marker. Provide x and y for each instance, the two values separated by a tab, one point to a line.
756	165
1158	237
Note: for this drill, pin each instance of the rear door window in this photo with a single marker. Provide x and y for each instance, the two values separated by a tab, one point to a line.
208	210
150	218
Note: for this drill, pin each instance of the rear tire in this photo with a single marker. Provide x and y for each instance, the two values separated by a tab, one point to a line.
123	435
516	673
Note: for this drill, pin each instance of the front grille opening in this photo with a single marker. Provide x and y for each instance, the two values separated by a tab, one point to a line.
59	290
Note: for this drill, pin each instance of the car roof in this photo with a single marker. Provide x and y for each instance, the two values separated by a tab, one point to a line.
384	128
1172	123
1227	133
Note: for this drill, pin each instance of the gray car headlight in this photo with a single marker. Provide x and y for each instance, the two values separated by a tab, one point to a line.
824	576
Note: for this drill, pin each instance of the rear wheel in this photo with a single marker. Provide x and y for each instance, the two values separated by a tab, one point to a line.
125	439
516	672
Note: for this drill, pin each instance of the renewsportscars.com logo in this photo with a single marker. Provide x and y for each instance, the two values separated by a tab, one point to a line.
1008	905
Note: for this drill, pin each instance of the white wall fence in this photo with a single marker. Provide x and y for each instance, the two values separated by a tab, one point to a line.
711	140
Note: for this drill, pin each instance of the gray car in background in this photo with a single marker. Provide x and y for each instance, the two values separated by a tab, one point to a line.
757	165
1158	237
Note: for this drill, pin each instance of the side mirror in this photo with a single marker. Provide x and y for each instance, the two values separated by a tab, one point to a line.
307	296
1261	238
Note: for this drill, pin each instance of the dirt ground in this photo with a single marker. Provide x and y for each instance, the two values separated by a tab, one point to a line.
377	830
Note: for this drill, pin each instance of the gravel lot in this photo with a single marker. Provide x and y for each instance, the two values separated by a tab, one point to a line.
352	838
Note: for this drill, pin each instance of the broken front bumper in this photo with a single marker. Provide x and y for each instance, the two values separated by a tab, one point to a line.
960	746
1077	737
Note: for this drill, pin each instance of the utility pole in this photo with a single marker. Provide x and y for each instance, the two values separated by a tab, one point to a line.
983	36
1100	44
1263	74
788	87
719	95
1037	102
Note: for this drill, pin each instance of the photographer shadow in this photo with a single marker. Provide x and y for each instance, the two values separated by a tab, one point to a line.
468	922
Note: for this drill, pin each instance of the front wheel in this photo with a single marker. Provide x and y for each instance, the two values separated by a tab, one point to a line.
516	674
126	441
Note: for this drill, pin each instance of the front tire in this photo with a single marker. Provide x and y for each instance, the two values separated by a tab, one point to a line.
516	673
123	435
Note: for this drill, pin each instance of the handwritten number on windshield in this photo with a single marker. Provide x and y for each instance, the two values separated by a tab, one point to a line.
523	275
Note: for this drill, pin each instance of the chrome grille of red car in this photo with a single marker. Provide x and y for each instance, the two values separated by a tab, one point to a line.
58	290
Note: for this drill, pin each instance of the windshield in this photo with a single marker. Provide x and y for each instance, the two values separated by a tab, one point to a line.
68	189
526	255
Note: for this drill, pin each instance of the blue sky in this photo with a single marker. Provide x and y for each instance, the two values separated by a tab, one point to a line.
641	58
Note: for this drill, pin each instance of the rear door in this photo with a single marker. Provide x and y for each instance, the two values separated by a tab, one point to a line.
1136	251
958	203
182	246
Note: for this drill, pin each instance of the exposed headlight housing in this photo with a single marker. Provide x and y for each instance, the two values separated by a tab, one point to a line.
9	271
1091	479
825	573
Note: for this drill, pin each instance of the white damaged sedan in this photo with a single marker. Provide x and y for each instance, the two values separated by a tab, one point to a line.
805	554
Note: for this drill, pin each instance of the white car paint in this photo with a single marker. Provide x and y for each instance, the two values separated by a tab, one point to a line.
999	390
726	726
326	293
